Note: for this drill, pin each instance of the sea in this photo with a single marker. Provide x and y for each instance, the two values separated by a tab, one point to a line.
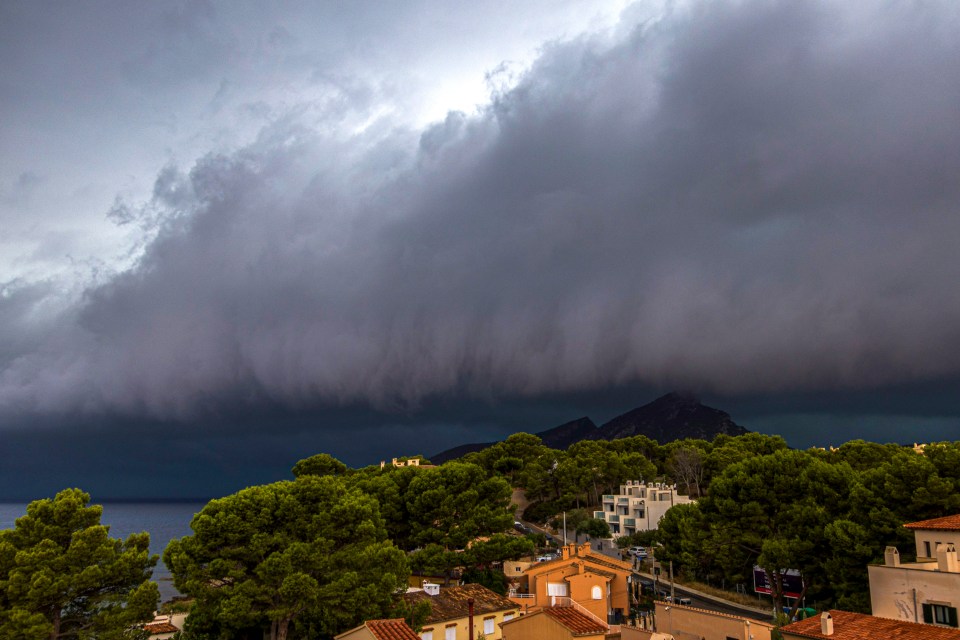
164	521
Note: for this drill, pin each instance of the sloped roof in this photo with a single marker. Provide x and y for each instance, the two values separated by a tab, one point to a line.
946	523
585	555
393	629
451	602
858	626
578	622
155	628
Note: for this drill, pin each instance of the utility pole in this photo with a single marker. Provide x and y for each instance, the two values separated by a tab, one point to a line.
672	599
564	528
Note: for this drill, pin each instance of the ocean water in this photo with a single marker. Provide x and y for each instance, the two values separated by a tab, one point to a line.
164	521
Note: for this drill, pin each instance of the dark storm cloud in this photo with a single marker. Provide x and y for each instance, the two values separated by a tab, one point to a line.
740	197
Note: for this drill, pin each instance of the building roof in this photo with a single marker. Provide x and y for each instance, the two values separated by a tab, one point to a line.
154	628
578	622
582	553
451	602
946	523
388	629
393	629
858	626
717	614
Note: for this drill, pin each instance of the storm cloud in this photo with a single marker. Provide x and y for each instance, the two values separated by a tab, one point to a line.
739	198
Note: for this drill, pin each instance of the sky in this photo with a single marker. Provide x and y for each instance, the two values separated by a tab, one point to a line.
234	235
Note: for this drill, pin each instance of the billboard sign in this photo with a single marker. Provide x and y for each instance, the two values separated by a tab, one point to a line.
792	582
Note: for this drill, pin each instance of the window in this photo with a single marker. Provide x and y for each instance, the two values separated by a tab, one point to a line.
507	616
926	548
488	626
426	634
596	593
940	614
557	589
450	633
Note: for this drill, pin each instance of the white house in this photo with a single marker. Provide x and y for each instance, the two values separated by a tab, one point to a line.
926	591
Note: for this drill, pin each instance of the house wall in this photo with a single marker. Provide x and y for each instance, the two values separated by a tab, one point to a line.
360	633
462	628
582	590
689	622
900	592
925	537
633	633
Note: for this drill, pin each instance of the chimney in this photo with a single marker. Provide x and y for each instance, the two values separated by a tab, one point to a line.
891	557
565	552
431	588
947	558
826	624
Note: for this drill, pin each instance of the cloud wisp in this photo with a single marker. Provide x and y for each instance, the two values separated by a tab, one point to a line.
737	197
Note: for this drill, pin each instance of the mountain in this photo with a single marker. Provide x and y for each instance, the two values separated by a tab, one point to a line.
674	416
566	434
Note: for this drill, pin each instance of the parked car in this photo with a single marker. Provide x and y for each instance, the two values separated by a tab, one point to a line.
639	552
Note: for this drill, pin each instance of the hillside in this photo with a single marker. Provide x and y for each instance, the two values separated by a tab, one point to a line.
674	416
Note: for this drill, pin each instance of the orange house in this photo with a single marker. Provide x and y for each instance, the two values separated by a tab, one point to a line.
594	581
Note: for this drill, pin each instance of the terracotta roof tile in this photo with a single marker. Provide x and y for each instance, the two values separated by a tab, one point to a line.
394	629
451	603
946	523
160	627
858	626
577	621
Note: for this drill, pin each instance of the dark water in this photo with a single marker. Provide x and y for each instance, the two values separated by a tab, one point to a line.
163	521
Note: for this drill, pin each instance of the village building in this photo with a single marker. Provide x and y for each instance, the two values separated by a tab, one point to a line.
844	625
928	590
682	621
638	507
589	578
450	611
562	622
393	629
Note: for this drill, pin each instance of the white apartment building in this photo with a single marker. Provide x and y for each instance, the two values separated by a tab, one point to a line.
926	591
639	506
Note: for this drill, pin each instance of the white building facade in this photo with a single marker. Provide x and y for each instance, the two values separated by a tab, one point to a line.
926	591
639	506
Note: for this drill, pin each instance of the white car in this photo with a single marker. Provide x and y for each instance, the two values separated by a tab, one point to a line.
638	552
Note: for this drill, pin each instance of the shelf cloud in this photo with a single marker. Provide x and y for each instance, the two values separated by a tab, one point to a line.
739	197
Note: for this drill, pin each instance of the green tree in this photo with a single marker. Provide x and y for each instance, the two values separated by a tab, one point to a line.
322	464
455	503
62	576
595	528
296	559
774	511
